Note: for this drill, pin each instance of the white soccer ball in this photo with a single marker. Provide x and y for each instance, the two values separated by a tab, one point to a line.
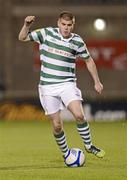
75	158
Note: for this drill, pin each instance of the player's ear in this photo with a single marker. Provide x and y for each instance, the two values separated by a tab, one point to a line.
58	22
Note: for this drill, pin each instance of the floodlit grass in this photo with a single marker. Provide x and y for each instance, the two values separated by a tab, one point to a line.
29	152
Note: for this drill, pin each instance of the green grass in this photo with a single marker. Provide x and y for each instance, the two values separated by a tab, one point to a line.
29	152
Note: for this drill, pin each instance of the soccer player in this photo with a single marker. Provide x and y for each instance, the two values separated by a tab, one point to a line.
59	48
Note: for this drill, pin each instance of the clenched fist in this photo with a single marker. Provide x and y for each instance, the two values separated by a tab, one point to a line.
98	87
29	20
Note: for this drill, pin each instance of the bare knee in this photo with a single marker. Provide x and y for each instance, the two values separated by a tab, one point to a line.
57	124
79	117
57	128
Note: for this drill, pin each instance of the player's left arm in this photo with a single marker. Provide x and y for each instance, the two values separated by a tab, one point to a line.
93	71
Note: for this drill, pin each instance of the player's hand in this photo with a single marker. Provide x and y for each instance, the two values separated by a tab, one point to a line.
98	87
29	20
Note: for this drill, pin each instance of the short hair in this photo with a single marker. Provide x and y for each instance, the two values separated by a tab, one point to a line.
67	16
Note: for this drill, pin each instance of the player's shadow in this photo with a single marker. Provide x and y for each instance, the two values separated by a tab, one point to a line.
51	165
29	167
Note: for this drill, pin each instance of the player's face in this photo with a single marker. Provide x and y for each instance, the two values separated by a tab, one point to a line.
65	27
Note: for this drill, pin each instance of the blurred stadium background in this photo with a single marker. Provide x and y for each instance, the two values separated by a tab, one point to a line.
27	149
19	63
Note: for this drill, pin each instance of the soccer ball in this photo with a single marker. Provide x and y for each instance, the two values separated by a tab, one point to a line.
75	158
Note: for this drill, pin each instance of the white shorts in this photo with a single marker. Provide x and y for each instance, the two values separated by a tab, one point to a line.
55	97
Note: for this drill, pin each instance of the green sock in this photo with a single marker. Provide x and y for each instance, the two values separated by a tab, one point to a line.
62	143
84	132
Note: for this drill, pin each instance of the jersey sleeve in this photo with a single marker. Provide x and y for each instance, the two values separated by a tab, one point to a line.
37	35
82	50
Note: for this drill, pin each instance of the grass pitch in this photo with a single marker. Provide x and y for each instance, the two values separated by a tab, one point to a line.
29	152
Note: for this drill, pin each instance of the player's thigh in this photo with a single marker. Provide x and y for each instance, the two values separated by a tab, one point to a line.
75	107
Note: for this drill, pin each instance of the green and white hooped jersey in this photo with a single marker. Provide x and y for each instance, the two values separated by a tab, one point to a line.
58	55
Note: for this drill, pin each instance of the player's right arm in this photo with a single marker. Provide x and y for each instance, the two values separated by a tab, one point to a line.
23	35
